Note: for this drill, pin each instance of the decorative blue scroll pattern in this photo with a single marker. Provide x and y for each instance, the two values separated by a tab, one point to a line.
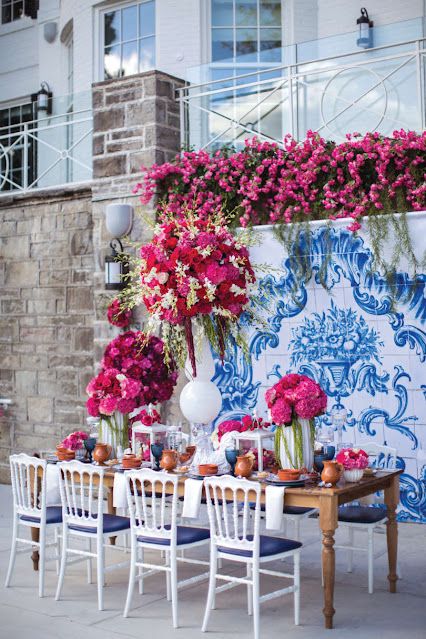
340	348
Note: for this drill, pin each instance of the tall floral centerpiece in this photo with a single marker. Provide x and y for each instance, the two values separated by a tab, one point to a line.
294	401
134	373
195	280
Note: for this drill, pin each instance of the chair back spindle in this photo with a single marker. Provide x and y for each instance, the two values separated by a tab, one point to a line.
28	477
82	494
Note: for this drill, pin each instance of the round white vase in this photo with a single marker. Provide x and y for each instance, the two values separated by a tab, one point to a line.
353	475
288	453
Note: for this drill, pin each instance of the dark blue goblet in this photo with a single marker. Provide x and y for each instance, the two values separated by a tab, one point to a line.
231	455
157	451
89	445
329	451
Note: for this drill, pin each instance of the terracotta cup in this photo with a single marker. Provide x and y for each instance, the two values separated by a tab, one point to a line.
102	453
169	460
288	474
64	454
207	469
244	466
332	472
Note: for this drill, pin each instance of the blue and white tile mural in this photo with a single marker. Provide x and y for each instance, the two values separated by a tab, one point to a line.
367	353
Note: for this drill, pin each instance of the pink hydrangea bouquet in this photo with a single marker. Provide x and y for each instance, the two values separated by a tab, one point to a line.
292	399
352	458
117	316
75	440
194	268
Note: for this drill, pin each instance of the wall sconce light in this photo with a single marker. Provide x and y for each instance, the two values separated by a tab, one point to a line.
118	219
43	99
365	33
116	267
50	31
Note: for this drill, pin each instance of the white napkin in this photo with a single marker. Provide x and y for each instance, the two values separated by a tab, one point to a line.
192	498
53	494
274	503
119	492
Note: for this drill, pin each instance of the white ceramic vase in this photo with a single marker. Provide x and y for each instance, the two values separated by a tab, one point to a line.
289	452
353	475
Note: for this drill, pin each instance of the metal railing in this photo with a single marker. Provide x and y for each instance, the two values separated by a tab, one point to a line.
378	89
48	152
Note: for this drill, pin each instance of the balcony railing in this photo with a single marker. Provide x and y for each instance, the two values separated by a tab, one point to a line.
378	89
50	151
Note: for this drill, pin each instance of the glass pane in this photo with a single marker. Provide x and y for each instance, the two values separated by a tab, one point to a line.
4	119
130	58
270	13
222	44
27	112
246	13
18	10
6	13
270	45
112	28
222	13
147	19
246	44
146	54
130	23
112	62
15	115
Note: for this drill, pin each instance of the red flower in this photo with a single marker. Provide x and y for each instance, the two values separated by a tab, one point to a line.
117	316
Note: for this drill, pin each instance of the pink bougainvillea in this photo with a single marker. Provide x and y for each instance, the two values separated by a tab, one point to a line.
311	179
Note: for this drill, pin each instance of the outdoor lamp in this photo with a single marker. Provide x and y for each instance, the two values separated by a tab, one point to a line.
44	99
118	219
116	267
365	35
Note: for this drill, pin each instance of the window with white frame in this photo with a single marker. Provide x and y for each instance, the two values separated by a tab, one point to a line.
246	31
17	148
15	9
127	39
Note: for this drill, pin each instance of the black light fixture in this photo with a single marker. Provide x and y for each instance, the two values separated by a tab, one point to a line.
116	267
43	99
365	34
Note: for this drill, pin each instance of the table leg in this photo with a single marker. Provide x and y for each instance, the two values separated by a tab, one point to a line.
391	501
111	511
328	524
35	536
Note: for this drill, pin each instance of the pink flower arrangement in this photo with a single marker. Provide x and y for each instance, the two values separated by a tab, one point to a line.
247	423
352	458
117	316
148	419
133	373
295	395
195	267
75	440
269	460
311	179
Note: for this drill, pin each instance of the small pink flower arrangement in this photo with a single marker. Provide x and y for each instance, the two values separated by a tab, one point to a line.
352	458
295	395
269	460
246	423
148	418
75	440
117	316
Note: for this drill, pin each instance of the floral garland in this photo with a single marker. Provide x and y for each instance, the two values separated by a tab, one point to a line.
194	271
292	398
307	180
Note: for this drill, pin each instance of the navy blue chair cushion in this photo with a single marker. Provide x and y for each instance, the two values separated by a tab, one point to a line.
361	514
112	524
185	535
53	516
268	546
288	510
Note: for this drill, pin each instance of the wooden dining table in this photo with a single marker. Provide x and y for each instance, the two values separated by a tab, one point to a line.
327	501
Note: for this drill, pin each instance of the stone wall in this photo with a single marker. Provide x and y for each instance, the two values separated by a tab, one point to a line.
46	323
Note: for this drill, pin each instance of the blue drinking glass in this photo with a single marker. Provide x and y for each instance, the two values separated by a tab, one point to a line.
157	451
89	445
231	455
329	451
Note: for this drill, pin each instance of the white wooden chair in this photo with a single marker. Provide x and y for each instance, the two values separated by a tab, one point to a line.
366	518
235	536
30	510
153	506
82	494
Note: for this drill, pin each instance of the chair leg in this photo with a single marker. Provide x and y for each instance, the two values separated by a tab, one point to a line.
57	549
296	562
173	575
42	561
100	559
256	605
296	528
140	572
370	559
212	587
63	562
12	552
350	552
132	575
89	561
249	574
168	578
